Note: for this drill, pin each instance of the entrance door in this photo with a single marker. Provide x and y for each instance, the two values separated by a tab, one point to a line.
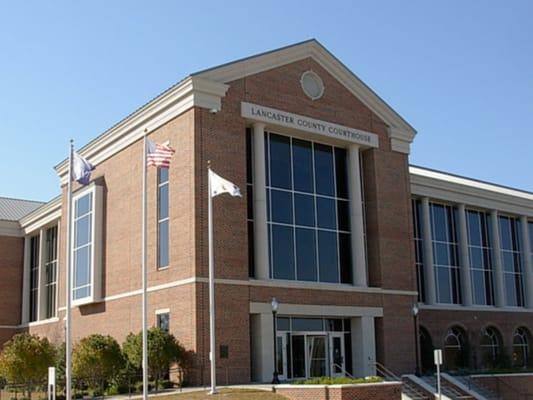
317	356
336	354
281	356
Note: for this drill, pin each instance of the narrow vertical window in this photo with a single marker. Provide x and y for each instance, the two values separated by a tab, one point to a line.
530	225
250	202
511	260
162	218
82	247
163	321
445	253
34	277
419	249
50	266
480	249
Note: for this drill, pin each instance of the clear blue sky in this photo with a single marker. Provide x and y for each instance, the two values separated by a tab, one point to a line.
461	72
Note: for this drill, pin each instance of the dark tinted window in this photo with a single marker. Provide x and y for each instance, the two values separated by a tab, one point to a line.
280	165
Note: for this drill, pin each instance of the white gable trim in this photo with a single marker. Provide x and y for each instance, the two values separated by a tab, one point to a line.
44	215
193	91
400	132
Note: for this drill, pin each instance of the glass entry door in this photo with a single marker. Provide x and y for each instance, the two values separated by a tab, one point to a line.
314	355
317	356
336	354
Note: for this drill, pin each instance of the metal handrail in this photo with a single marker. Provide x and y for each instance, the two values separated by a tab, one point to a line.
387	373
343	370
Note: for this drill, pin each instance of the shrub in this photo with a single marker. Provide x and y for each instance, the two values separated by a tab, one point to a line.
326	380
163	351
96	360
25	360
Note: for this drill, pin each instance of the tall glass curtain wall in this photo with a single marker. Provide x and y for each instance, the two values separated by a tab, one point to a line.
445	239
307	210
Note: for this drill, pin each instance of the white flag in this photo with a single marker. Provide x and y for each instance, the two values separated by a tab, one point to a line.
220	185
81	169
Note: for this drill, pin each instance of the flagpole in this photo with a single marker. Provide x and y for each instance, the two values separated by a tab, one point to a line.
144	278
68	327
212	350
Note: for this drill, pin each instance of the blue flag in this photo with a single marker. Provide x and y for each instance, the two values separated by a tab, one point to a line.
81	169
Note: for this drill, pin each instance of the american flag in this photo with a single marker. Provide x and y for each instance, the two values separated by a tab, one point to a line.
158	155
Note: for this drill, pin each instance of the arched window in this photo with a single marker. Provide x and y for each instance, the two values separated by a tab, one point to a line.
455	355
490	347
521	347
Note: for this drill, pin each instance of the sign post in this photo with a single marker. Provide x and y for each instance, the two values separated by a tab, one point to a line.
437	355
51	383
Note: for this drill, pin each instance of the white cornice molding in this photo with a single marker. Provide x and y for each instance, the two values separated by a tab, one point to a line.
191	92
10	228
441	186
400	132
43	216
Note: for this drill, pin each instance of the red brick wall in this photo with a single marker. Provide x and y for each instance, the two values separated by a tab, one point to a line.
121	177
509	387
437	323
384	391
11	268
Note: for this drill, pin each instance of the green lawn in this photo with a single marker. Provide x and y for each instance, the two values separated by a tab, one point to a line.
228	394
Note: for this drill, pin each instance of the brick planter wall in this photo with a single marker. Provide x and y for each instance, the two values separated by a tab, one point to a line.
508	385
363	391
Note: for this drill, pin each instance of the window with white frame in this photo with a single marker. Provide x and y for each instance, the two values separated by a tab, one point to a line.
50	266
86	245
308	210
162	218
34	278
163	320
480	249
511	260
445	253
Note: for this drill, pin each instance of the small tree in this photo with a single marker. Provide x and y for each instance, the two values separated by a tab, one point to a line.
25	360
96	360
163	351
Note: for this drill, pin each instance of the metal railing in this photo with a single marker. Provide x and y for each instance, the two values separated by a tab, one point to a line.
343	370
407	387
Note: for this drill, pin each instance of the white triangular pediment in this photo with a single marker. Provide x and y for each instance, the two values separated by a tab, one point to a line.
401	133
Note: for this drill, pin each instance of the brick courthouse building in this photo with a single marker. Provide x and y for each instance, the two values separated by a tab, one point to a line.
334	224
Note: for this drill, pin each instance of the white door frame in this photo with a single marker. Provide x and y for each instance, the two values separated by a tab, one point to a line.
282	375
331	358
